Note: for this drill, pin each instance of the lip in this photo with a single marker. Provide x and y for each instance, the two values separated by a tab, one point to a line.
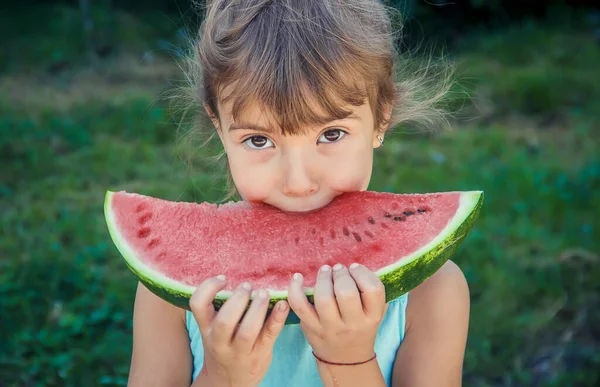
301	206
302	210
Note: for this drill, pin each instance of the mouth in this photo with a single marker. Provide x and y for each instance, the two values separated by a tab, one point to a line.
303	209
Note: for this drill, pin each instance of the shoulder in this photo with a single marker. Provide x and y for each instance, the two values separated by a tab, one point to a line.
160	342
437	319
445	291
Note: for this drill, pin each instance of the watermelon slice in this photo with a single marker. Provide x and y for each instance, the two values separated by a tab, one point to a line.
173	246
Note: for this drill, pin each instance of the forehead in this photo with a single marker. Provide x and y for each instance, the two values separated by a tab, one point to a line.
254	113
302	110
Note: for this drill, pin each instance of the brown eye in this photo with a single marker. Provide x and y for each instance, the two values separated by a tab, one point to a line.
258	142
332	135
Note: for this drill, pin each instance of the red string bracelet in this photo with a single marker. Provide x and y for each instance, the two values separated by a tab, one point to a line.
344	364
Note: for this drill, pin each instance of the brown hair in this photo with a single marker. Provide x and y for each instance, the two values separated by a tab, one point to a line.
284	53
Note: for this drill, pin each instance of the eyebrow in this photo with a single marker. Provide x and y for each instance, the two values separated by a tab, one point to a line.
259	128
249	126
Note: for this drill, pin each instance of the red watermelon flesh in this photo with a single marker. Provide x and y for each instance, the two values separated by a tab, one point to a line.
189	242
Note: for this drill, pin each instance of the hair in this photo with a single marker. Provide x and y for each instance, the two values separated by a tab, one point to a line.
286	55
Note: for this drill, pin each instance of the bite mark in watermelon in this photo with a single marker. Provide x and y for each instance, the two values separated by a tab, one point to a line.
173	246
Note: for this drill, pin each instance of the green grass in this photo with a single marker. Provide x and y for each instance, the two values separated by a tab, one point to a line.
46	36
532	260
546	70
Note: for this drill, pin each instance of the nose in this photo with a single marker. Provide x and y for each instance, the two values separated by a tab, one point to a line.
298	180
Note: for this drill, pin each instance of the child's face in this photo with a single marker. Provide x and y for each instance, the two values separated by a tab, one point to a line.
302	172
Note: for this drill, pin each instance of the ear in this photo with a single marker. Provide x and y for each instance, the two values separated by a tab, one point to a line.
215	120
212	115
380	131
376	136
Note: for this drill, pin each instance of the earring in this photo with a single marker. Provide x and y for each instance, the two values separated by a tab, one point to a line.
380	140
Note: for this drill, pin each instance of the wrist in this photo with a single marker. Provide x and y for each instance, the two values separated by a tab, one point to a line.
346	363
365	374
345	356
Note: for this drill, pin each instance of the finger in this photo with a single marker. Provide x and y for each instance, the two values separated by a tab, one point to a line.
273	325
346	294
230	314
325	302
371	289
252	323
299	302
201	301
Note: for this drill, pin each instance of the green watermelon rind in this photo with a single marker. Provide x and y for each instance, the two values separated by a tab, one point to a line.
168	289
398	279
415	268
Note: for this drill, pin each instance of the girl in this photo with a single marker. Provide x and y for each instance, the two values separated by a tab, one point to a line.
300	93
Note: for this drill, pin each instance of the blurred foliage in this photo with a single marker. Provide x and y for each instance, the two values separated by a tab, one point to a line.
535	70
67	134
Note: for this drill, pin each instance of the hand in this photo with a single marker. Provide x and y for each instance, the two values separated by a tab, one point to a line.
348	307
236	353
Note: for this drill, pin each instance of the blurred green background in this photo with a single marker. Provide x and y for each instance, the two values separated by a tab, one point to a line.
81	111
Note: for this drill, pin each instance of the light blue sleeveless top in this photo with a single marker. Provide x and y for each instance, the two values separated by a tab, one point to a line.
293	364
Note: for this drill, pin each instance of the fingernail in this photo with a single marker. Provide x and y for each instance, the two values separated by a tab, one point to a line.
262	294
338	266
283	306
325	268
221	277
354	265
297	277
246	286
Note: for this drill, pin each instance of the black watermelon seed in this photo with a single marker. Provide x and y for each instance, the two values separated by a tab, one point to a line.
357	237
408	213
153	243
399	218
421	210
144	232
345	231
144	218
371	220
388	215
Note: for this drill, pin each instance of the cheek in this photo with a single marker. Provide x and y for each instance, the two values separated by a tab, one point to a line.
351	173
353	180
254	183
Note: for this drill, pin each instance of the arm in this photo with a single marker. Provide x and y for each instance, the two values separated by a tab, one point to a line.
161	354
342	326
433	349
